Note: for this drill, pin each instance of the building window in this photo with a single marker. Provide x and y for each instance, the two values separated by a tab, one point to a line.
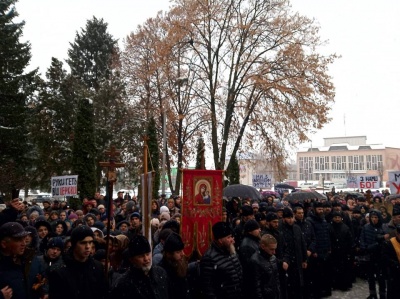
316	163
326	162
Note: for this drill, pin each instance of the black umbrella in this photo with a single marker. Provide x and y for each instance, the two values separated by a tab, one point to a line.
242	191
301	196
393	196
284	186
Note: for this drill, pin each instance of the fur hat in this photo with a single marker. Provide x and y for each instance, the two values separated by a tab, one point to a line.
259	217
317	204
221	230
79	233
173	243
251	225
246	211
138	245
287	213
271	216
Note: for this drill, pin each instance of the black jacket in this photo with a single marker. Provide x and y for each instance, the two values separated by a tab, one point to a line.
264	276
221	274
322	236
76	280
135	284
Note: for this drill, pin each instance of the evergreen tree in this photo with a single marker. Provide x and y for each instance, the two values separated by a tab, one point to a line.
154	155
83	155
15	89
94	62
54	118
234	171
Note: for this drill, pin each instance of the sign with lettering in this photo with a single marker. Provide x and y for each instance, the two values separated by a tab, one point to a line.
394	182
64	185
368	182
262	181
351	182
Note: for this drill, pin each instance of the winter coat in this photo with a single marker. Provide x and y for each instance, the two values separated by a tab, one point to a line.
389	228
308	234
250	244
392	264
264	276
295	252
341	240
77	280
221	274
178	287
371	239
12	275
322	237
134	283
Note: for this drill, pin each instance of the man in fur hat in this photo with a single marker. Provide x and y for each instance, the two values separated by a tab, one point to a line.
220	269
143	279
175	264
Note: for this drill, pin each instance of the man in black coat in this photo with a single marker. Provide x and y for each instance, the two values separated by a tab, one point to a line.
391	259
320	260
143	280
264	274
295	255
220	269
81	276
175	264
342	244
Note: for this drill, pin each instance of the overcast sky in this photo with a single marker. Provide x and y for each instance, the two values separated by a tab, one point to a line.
364	32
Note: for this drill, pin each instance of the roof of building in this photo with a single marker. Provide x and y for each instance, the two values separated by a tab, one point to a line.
343	147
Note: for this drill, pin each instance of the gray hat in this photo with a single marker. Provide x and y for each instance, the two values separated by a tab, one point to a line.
12	230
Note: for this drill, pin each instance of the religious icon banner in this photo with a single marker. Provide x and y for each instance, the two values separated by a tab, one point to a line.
201	208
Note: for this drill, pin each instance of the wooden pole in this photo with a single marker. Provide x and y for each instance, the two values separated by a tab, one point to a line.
145	202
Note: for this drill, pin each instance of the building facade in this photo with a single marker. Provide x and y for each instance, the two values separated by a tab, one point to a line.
344	157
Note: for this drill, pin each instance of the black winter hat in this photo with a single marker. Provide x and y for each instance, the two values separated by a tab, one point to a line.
173	243
251	225
247	211
138	245
56	242
336	213
318	204
172	224
79	233
271	216
221	230
259	217
396	210
287	213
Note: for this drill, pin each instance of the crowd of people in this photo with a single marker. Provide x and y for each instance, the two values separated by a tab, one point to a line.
271	248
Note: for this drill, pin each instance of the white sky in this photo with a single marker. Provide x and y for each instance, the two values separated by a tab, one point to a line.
364	32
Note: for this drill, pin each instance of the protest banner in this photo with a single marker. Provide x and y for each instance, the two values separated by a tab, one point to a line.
368	181
262	181
64	186
394	182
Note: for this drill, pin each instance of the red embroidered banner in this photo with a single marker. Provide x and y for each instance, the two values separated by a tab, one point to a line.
201	208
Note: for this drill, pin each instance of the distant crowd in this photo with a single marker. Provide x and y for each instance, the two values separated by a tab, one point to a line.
277	248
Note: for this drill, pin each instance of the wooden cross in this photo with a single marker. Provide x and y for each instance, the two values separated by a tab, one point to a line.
112	164
112	155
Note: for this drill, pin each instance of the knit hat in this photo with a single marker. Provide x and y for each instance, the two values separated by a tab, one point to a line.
221	230
279	206
173	243
72	216
251	225
138	245
247	211
287	213
55	242
164	209
13	230
79	233
271	216
165	216
136	215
